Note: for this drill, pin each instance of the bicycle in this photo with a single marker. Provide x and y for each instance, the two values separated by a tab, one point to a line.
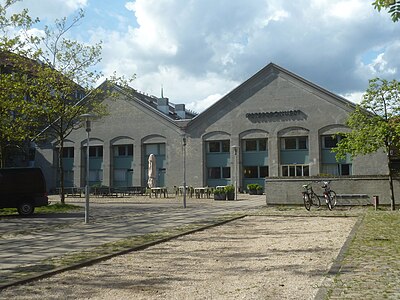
310	197
330	195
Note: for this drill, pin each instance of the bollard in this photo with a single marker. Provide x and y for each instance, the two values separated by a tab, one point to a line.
375	201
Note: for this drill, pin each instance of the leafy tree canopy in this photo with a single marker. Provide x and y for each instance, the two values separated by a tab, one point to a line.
374	124
393	7
47	80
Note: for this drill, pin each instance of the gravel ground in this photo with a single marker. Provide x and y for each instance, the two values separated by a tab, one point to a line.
258	257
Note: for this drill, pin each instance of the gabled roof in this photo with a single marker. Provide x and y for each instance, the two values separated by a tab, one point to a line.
267	73
151	102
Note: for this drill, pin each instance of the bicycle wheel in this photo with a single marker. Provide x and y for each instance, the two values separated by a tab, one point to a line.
307	201
332	196
315	200
330	200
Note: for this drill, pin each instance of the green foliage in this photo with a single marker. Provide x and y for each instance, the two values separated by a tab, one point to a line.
219	191
393	7
56	74
254	187
374	123
229	188
52	208
376	245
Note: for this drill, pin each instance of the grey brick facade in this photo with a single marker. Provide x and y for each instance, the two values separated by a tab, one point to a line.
271	105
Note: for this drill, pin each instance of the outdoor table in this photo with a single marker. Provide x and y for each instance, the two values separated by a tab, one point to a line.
181	190
159	191
189	190
201	191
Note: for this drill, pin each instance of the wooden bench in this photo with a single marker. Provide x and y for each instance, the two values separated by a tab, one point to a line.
104	191
131	190
71	191
353	199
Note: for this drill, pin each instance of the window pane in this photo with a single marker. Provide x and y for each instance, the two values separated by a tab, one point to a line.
290	143
151	149
251	145
130	150
330	142
68	175
292	171
65	153
262	145
225	146
331	169
214	173
226	172
250	172
68	152
99	151
285	171
345	169
263	171
299	171
121	150
306	171
120	175
92	151
93	175
214	147
161	149
302	143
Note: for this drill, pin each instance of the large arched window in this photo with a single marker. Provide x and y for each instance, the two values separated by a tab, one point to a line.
217	149
155	144
122	162
294	152
329	164
254	156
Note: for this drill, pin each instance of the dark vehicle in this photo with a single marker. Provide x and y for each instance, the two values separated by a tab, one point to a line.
23	189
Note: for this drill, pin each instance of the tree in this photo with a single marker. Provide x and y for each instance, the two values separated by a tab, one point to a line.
62	77
66	63
393	7
374	124
18	117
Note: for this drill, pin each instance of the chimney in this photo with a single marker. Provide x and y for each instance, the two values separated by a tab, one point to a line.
180	110
162	105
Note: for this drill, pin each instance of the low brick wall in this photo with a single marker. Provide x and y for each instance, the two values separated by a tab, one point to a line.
281	190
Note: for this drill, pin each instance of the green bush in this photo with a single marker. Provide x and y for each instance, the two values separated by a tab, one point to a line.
254	187
219	191
229	189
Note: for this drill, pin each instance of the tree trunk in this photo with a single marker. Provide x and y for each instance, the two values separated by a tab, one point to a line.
392	202
61	172
389	157
2	156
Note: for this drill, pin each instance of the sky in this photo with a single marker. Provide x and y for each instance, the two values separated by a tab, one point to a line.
199	50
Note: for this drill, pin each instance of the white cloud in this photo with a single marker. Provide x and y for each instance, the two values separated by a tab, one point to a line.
354	97
203	104
347	10
202	48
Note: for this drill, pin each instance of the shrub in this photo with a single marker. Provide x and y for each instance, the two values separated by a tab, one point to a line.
229	189
254	186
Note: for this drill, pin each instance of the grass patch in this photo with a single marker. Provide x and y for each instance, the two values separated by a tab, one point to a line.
371	265
57	208
52	208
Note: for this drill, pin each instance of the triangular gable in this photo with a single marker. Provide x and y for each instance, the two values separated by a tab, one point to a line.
258	81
